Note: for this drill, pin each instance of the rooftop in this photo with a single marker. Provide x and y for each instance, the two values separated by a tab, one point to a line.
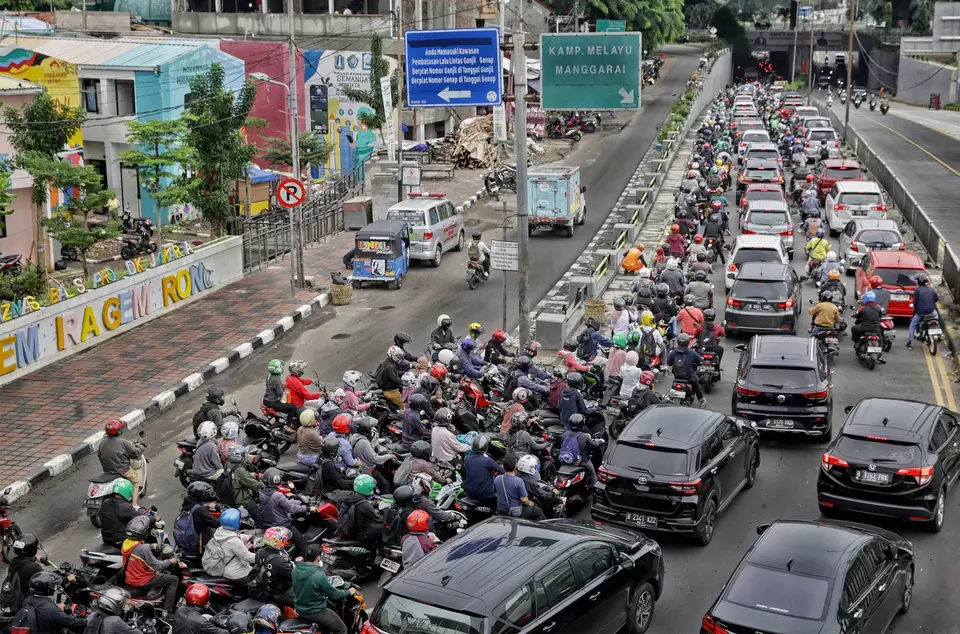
811	548
12	85
667	425
136	53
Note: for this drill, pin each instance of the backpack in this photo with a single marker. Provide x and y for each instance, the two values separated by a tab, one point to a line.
402	475
184	532
648	343
11	594
202	416
224	486
473	251
25	621
393	525
347	518
681	368
570	448
708	339
214	559
584	349
378	374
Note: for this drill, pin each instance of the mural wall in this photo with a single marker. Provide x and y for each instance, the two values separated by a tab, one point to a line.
59	77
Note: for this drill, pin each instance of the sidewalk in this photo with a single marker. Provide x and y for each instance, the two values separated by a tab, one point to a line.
943	121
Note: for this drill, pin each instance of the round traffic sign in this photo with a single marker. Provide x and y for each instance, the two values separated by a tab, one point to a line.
290	193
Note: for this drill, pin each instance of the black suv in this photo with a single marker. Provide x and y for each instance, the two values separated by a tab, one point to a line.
505	575
893	458
673	469
783	386
765	297
758	171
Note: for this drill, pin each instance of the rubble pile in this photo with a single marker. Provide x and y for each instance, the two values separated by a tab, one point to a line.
471	146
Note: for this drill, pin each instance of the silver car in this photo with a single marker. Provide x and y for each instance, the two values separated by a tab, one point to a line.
772	218
435	226
862	235
815	138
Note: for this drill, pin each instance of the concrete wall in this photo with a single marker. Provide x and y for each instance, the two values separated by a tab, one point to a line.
277	25
945	32
883	67
918	79
96	20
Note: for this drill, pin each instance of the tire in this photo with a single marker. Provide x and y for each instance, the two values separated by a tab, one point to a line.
575	137
590	127
152	248
357	283
752	470
569	230
583	217
127	252
642	608
437	258
284	447
95	520
887	344
183	480
462	239
907	598
871	363
936	524
932	343
529	230
705	536
708	386
472	282
14	271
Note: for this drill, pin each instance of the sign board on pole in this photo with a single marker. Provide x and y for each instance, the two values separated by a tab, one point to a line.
410	175
590	71
453	67
611	26
290	193
804	12
504	255
499	123
389	131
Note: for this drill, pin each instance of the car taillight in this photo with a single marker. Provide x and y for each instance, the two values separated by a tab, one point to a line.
708	625
922	475
788	232
829	461
815	396
428	235
901	246
745	391
854	247
879	207
840	208
733	302
744	179
747	232
732	268
327	548
368	628
686	488
785	305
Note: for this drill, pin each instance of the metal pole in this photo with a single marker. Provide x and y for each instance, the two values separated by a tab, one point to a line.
504	225
846	116
403	72
793	58
519	62
295	266
810	66
503	20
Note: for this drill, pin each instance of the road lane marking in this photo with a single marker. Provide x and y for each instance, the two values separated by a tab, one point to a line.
946	382
933	376
919	147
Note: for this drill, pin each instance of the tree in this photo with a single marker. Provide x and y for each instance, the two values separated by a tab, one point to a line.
27	6
6	196
313	151
220	152
730	30
159	160
373	96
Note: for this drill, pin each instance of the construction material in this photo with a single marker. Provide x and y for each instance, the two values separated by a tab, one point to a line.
470	147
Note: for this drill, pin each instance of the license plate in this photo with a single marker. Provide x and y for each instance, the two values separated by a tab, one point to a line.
390	565
641	520
832	340
779	423
899	297
872	477
872	349
91	504
934	331
677	394
758	306
178	464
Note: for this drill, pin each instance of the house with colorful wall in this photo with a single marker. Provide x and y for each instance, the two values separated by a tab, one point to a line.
18	222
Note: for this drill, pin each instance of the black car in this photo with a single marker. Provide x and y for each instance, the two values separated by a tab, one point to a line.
673	469
758	171
824	577
783	385
765	297
507	576
893	458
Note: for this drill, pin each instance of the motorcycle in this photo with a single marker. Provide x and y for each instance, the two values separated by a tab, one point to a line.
930	333
887	333
884	106
10	264
559	131
476	274
868	350
830	100
830	339
572	481
105	561
708	372
856	102
503	177
134	245
352	610
872	103
843	98
101	486
9	531
681	393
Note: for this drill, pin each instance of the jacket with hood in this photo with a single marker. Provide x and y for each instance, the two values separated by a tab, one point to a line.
629	379
276	509
191	620
309	440
115	454
206	460
246	488
312	589
23	567
642	398
297	390
507	421
139	564
114	515
364	451
556	389
469	364
442	336
367	522
227	556
279	569
571	402
673	279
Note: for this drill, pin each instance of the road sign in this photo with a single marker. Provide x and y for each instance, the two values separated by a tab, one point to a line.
453	67
290	193
590	71
410	175
611	26
504	255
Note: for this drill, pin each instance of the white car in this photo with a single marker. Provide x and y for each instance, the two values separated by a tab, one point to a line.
853	200
770	218
753	248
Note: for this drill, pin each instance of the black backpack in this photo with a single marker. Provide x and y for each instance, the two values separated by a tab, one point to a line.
11	594
708	339
648	343
202	416
681	369
25	621
347	518
584	349
224	485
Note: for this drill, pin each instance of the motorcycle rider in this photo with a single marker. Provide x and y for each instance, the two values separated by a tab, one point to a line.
276	565
511	492
664	309
618	354
107	613
50	616
312	592
477	251
924	304
816	250
520	440
23	566
365	429
341	431
246	488
479	470
825	313
713	228
115	513
414	428
528	470
470	364
277	509
673	277
406	500
367	522
629	374
495	352
830	264
868	320
571	399
710	335
120	457
521	377
810	205
683	360
226	555
688	227
696	248
199	500
387	376
420	458
690	318
575	428
568	353
676	242
191	618
352	391
835	286
141	569
643	395
230	430
207	464
210	409
702	265
701	290
444	444
442	335
521	401
557	385
297	386
416	544
273	393
400	340
309	440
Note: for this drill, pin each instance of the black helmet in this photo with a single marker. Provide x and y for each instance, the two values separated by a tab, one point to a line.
45	584
443	417
683	340
524	362
239	623
475	235
365	425
701	257
215	395
575	379
618	303
139	527
628	300
403	495
518	421
922	280
700	276
480	444
709	315
662	290
201	492
418	401
570	344
401	339
420	450
26	545
576	422
272	477
593	323
429	382
331	446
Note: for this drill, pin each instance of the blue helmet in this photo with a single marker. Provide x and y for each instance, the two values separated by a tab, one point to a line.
468	344
230	518
820	232
868	297
268	616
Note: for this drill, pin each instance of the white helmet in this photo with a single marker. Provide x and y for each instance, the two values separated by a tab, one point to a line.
395	353
831	256
528	464
672	264
338	396
296	367
443	318
521	395
645	273
351	378
230	430
409	379
207	430
445	357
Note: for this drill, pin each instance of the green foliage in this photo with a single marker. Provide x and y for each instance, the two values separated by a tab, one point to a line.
32	281
373	96
6	196
730	30
660	21
161	155
27	6
313	151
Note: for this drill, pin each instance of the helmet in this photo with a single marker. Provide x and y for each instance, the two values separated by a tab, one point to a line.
114	427
618	303
700	276
644	272
647	377
139	527
560	372
809	178
341	424
533	347
683	340
868	297
576	422
207	430
401	339
519	421
45	584
113	600
475	329
875	281
647	318
329	406
662	290
420	449
620	340
418	521
445	357
628	300
308	418
480	444
444	321
277	537
672	264
238	453
395	354
718	161
701	257
709	315
418	401
365	485
633	338
575	379
689	300
429	383
272	477
831	256
26	545
632	358
365	425
524	362
569	344
275	366
443	417
521	395
468	344
476	235
714	170
826	296
215	395
351	378
230	430
833	275
123	488
820	233
691	174
230	518
408	379
330	446
403	495
198	595
529	464
717	205
695	165
439	372
297	366
202	492
922	280
698	239
268	616
239	623
499	335
675	229
706	146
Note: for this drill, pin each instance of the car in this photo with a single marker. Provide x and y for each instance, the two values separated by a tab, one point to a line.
752	248
765	297
892	458
435	226
673	469
863	235
806	111
814	141
899	271
512	575
769	217
762	150
748	124
828	172
761	191
783	385
847	200
816	576
751	136
758	171
816	121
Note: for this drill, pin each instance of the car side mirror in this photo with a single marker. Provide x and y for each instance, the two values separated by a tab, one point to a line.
740	347
726	247
626	563
142	434
848	409
583	190
762	528
858	614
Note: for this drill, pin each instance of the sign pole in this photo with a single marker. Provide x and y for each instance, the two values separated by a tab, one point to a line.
504	272
296	253
400	83
520	149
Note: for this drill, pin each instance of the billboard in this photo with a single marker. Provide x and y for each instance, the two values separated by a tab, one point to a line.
59	77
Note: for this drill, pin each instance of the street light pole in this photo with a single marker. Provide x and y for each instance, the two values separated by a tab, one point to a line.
846	116
296	214
519	62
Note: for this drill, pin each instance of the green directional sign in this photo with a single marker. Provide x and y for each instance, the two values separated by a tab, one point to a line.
611	26
590	71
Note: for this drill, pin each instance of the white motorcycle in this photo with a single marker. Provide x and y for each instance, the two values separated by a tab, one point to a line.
101	486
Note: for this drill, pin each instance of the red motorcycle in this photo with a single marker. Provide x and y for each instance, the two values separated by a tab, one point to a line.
10	264
9	531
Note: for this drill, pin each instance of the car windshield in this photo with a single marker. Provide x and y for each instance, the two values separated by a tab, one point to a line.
664	461
413	217
843	173
758	194
820	135
779	377
898	277
756	255
748	290
779	592
877	449
878	237
760	173
400	615
860	199
763	154
756	137
816	123
768	218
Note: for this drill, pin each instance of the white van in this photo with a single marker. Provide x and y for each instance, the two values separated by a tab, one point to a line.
849	200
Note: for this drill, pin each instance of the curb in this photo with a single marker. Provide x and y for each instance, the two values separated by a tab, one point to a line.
473	200
58	465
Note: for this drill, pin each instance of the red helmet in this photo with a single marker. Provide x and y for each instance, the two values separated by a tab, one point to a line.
875	281
532	348
418	521
114	427
197	594
698	239
675	229
717	204
706	146
439	371
647	377
809	178
341	424
499	335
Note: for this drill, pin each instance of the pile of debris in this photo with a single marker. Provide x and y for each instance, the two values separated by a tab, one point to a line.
471	146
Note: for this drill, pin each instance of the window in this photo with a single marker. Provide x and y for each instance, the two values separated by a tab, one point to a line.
780	376
593	562
126	100
940	435
950	422
451	211
711	448
857	580
434	217
663	461
729	433
397	614
779	592
558	583
516	611
91	94
443	211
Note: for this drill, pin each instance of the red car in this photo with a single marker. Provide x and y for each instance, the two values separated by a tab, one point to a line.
830	171
761	191
898	270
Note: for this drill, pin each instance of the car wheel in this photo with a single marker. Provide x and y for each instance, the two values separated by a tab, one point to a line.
731	333
529	230
705	536
357	283
907	597
570	230
642	609
438	256
752	470
460	242
936	524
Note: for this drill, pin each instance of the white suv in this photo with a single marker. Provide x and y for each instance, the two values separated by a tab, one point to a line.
753	248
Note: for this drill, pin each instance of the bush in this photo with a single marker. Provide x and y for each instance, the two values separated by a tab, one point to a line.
32	281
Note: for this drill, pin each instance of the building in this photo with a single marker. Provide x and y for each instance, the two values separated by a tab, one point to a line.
18	223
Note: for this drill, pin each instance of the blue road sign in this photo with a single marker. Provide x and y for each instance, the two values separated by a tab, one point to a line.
455	67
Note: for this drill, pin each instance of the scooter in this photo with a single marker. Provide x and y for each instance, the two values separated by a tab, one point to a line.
708	372
476	275
872	103
856	102
930	333
884	106
843	98
558	131
10	264
101	486
887	333
134	245
9	531
868	350
681	393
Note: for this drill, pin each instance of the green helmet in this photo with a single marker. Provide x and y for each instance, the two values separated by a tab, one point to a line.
634	337
620	340
714	170
275	366
123	488
364	485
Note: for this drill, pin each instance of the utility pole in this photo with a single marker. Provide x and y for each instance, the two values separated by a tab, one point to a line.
793	58
519	61
810	65
846	117
504	225
400	81
296	249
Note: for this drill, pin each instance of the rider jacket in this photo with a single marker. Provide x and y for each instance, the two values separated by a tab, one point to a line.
442	336
642	398
868	317
297	389
469	364
108	624
279	570
191	620
571	402
676	243
276	509
712	229
495	353
115	454
115	512
50	618
673	279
